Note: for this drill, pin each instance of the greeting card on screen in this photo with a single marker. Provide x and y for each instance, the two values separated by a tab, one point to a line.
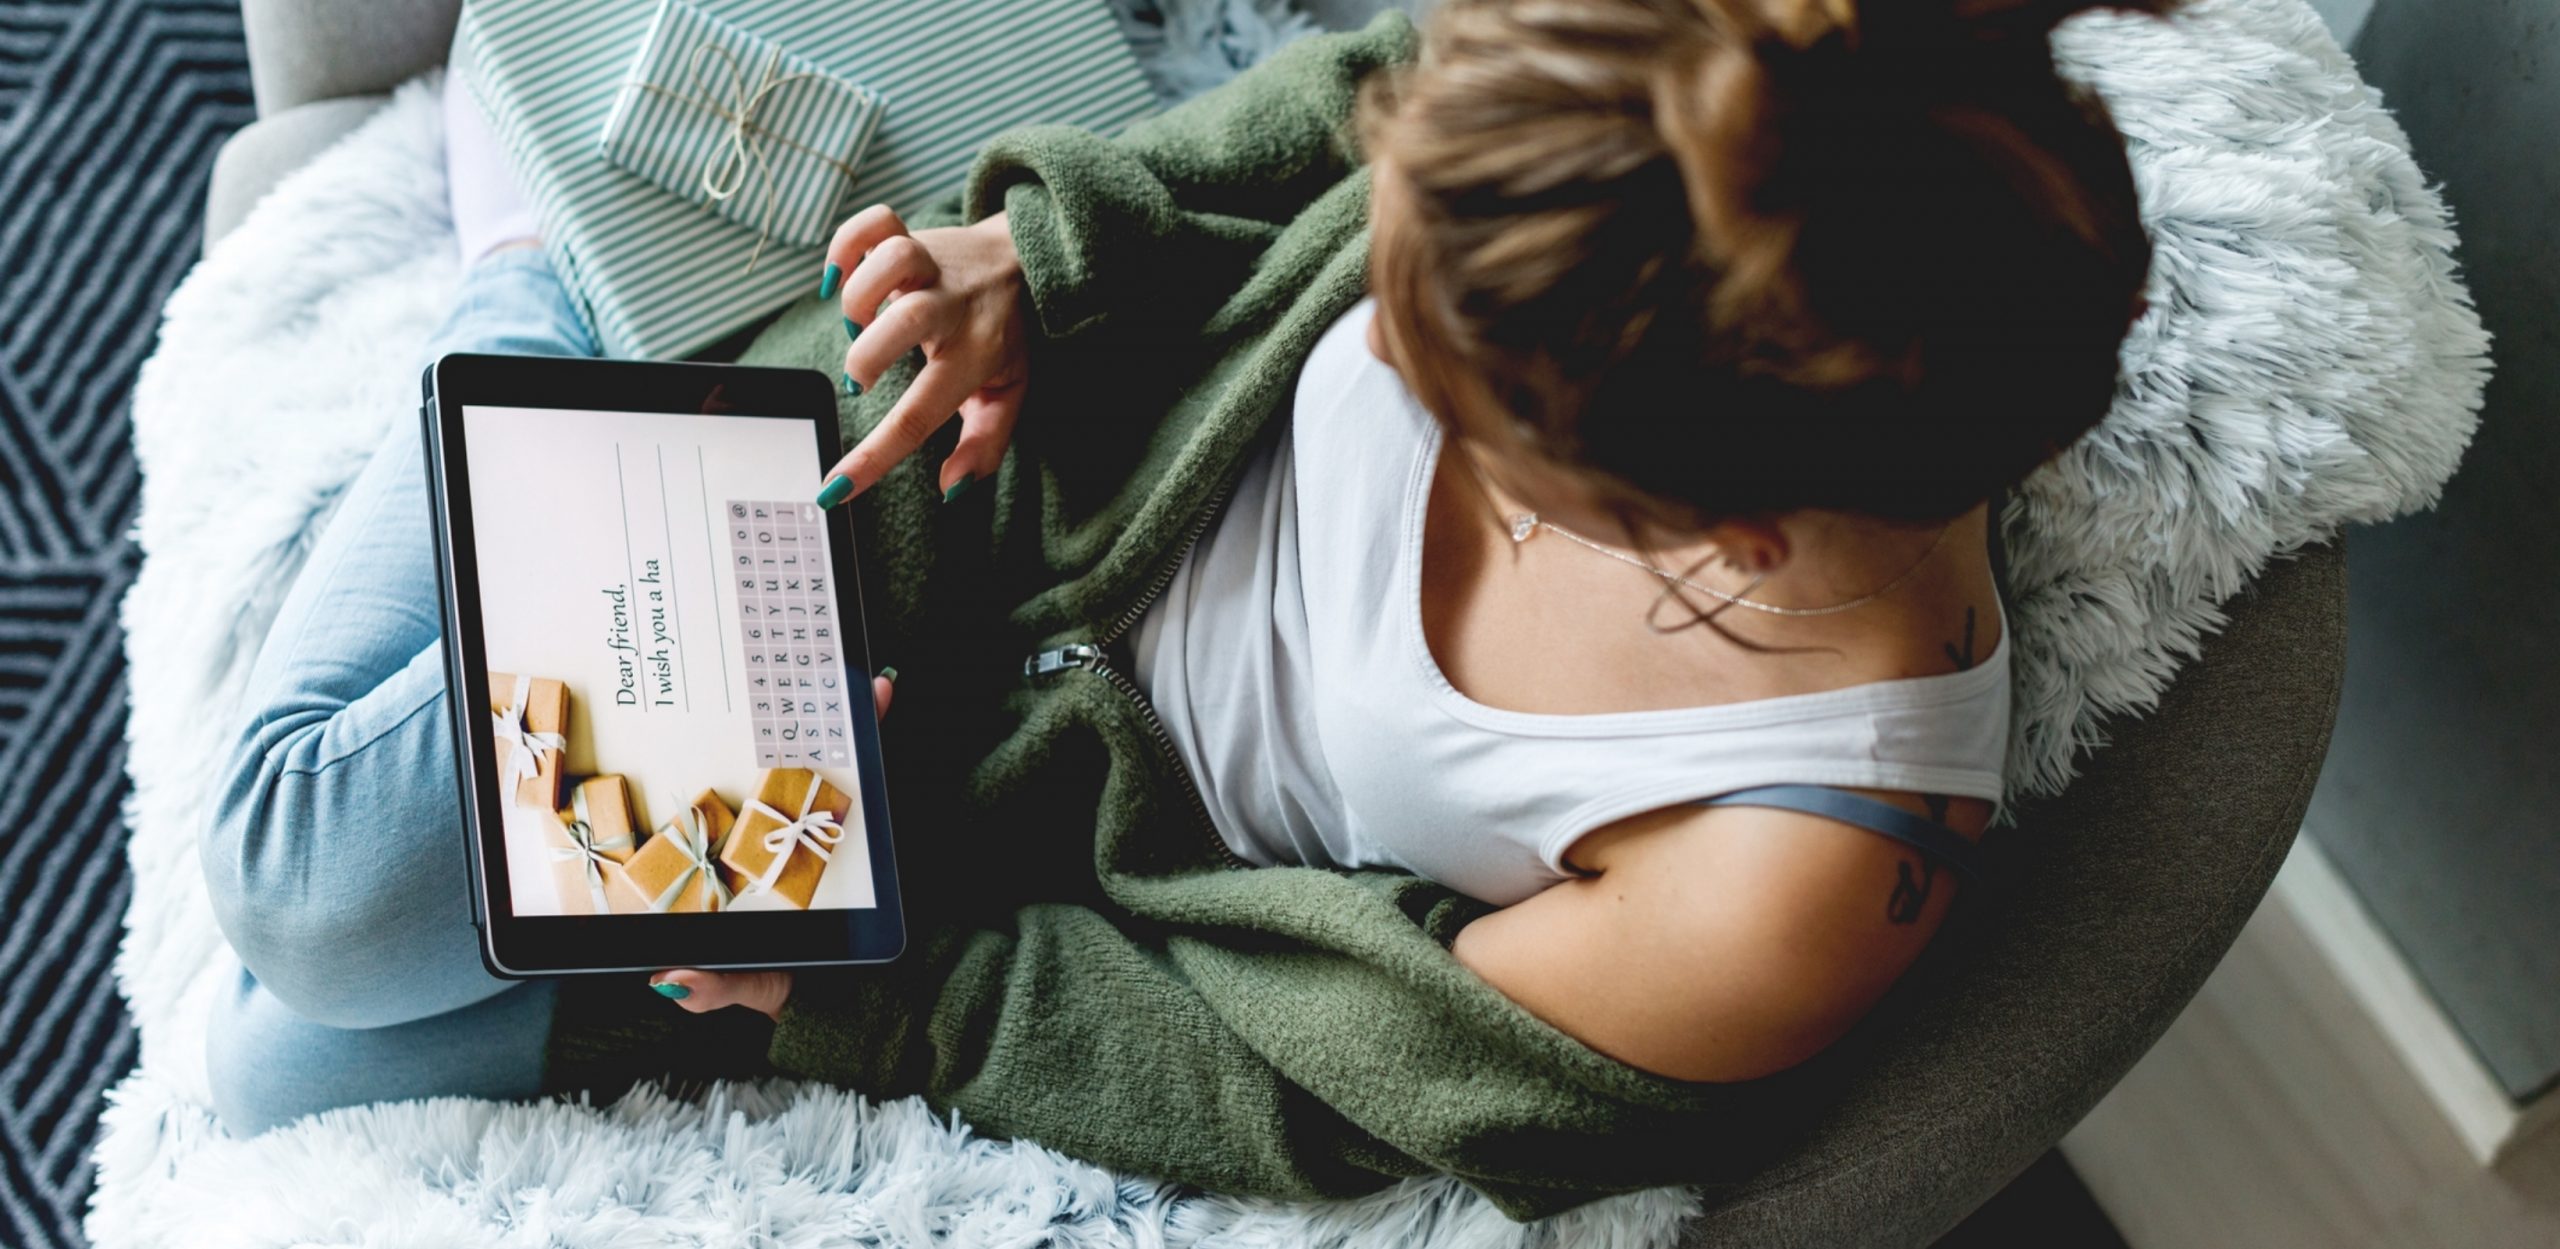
668	685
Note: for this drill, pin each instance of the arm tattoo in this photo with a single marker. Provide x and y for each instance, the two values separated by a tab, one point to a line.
1915	878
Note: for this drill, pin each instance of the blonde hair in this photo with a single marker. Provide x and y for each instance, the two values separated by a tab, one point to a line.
1729	257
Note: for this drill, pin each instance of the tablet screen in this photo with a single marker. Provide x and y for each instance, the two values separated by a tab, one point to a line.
672	704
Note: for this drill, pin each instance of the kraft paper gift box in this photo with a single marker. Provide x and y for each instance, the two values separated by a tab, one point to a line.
787	834
679	870
659	277
590	843
741	127
531	715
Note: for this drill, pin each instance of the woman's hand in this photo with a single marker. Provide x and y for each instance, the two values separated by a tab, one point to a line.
958	294
761	991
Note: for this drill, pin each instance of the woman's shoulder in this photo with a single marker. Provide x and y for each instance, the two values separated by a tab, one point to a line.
1722	943
1341	355
1343	379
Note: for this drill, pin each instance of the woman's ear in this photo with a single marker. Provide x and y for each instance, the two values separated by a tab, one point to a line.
1749	545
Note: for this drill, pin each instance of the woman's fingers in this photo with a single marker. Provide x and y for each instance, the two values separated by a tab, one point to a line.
763	992
916	319
986	428
936	393
897	264
859	233
955	294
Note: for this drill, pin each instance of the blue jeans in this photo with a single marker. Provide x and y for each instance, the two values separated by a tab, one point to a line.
335	859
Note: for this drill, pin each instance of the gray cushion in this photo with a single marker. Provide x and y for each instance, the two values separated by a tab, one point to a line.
252	161
2113	901
306	50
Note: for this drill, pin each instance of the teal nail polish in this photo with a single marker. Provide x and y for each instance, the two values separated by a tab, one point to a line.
957	489
827	282
851	330
889	675
838	489
851	387
670	989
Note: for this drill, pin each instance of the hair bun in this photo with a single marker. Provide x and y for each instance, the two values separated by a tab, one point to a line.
1952	28
1757	255
1860	74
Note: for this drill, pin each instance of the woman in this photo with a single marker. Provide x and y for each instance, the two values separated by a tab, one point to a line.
1623	565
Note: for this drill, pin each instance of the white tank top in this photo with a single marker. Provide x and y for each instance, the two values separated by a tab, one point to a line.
1287	661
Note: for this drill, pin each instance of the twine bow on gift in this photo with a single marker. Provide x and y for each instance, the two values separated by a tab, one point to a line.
815	827
583	845
725	169
693	836
524	762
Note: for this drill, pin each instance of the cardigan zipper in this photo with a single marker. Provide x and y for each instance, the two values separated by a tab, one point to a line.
1091	657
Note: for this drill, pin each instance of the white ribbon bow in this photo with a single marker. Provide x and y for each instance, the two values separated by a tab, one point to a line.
524	761
583	845
725	168
815	827
692	834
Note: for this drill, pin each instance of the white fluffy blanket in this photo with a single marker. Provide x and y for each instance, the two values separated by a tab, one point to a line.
2311	360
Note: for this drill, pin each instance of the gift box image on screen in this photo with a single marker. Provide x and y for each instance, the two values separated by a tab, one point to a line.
670	695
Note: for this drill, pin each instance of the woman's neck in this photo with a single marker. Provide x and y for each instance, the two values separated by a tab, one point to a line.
1834	557
1804	559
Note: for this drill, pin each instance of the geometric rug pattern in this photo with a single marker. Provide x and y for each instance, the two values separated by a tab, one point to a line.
110	113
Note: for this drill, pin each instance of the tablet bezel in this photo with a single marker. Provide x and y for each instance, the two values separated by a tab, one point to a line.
519	946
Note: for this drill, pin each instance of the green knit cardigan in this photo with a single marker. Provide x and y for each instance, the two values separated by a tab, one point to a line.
1087	967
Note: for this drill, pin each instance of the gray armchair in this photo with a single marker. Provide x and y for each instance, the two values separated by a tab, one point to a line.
2119	896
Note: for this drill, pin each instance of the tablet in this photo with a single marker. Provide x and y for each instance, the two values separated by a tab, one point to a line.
664	735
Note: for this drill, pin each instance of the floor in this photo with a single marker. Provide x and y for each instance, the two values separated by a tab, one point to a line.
156	84
2274	1115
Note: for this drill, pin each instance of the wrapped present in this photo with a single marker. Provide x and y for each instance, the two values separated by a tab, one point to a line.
679	870
590	843
658	277
787	834
740	126
530	715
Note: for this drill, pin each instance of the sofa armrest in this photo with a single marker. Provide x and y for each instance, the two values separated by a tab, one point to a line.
306	50
252	161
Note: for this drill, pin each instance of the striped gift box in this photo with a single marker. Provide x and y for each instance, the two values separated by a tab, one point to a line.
738	125
657	277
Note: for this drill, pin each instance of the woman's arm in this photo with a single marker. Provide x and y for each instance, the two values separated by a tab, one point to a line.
1282	1032
1720	943
1582	1042
1303	1033
1717	944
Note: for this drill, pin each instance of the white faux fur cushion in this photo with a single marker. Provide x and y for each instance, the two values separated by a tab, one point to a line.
2311	360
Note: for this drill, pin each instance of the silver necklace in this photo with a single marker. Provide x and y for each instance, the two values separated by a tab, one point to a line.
1526	525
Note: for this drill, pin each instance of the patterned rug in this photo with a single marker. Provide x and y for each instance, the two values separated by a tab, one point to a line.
110	112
